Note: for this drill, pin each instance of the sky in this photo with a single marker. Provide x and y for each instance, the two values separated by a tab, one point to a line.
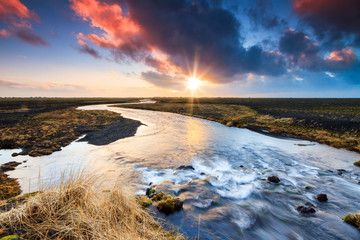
145	48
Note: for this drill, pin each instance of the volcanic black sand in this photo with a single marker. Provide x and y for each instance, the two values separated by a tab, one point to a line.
111	133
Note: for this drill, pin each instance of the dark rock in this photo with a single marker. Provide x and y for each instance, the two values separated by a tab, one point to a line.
322	197
14	154
241	166
273	179
178	204
308	187
150	192
202	174
341	171
186	167
304	209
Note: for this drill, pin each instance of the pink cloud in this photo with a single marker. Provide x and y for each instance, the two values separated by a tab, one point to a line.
18	16
13	10
4	33
346	55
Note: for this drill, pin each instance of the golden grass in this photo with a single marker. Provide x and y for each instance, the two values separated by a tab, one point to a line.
78	209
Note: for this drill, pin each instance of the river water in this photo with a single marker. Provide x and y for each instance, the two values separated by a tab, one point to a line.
226	196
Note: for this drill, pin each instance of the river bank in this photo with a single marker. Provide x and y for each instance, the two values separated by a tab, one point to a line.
335	123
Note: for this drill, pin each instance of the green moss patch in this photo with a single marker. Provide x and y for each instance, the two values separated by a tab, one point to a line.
11	237
353	219
357	163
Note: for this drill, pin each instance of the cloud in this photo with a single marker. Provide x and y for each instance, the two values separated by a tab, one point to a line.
84	48
304	53
18	16
260	13
163	80
9	84
174	36
12	10
4	33
330	74
38	85
29	37
335	21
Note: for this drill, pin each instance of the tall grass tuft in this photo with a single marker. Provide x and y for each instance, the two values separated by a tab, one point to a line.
77	209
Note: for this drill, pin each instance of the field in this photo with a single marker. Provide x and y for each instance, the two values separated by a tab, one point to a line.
44	125
335	122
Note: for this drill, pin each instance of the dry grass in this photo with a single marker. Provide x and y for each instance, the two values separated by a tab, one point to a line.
77	209
9	187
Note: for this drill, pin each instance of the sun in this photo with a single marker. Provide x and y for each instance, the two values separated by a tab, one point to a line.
193	83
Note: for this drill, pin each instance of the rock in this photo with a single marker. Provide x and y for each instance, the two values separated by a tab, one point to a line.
150	192
14	154
186	167
159	197
357	163
341	171
273	179
304	209
353	219
202	174
169	206
241	166
308	187
322	197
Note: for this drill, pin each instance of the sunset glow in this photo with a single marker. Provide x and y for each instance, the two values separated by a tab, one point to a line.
193	83
145	48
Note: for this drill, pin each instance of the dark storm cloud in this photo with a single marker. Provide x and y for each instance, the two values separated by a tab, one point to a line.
306	54
182	30
185	29
29	37
334	21
260	13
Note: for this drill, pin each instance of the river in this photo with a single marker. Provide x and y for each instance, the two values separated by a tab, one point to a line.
227	195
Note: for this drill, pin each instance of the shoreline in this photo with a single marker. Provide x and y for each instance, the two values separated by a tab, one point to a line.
245	117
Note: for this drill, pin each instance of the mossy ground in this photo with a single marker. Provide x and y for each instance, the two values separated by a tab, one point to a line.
47	132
